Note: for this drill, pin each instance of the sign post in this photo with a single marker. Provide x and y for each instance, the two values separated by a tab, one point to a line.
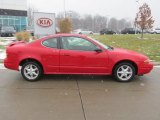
44	24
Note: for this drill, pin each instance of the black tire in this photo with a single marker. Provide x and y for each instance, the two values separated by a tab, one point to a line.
118	67
39	70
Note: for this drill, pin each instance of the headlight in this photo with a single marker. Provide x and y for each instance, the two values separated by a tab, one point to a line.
147	61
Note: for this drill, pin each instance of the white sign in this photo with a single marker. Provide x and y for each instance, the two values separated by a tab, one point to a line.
44	24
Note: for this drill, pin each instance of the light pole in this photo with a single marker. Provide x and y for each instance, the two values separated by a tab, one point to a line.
70	14
108	19
137	2
64	6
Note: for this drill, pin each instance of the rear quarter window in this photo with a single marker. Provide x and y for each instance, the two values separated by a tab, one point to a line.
51	43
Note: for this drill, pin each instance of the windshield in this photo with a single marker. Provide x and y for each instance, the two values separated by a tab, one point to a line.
101	44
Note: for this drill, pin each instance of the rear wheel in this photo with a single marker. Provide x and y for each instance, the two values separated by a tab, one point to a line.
124	72
31	71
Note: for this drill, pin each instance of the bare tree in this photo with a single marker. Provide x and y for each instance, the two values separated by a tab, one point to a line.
60	15
113	24
123	23
73	16
144	18
87	22
99	22
94	23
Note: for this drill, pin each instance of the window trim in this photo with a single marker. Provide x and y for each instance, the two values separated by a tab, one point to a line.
58	43
61	44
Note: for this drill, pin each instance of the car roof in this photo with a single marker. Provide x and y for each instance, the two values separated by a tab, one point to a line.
66	35
62	35
58	35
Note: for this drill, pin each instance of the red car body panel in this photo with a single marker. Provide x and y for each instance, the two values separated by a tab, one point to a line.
60	61
83	62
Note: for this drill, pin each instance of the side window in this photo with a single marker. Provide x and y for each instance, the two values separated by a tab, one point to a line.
52	43
76	43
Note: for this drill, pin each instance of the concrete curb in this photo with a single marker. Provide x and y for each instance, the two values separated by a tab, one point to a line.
156	63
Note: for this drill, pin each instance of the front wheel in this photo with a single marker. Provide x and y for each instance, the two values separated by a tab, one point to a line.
31	71
124	72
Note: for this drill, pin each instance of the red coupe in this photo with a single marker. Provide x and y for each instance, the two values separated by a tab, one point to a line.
74	54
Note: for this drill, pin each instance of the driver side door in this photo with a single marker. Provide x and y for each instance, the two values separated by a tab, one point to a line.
78	56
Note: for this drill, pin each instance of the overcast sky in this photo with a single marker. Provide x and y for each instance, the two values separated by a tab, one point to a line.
110	8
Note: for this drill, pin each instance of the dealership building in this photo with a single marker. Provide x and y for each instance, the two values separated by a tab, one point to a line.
13	13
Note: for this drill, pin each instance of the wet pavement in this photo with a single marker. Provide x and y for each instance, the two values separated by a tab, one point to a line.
79	97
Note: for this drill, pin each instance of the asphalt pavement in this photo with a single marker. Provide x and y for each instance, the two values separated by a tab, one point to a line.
79	97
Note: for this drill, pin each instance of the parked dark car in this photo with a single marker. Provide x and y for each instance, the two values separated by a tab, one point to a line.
107	31
7	31
130	31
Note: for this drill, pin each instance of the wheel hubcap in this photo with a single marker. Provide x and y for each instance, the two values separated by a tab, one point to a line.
124	72
31	72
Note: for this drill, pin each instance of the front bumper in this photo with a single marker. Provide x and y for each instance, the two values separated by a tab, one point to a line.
145	68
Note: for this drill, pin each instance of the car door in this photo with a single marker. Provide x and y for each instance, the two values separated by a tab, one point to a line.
78	55
50	55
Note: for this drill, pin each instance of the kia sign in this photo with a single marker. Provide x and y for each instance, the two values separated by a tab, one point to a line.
44	23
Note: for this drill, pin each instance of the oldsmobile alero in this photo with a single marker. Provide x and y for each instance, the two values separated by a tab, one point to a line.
74	54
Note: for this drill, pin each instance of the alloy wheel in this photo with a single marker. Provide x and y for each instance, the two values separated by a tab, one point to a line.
124	72
31	71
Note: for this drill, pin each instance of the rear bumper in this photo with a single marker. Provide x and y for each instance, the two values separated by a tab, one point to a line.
145	68
10	65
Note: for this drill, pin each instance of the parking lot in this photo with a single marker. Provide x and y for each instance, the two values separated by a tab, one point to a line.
72	97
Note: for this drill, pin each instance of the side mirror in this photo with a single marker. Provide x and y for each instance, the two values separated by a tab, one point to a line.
98	50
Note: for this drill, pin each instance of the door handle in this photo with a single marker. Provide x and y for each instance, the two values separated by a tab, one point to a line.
66	55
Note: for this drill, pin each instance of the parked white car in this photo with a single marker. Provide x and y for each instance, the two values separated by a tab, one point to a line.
85	32
156	31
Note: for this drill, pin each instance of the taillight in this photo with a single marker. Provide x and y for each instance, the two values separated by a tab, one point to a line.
14	43
7	53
